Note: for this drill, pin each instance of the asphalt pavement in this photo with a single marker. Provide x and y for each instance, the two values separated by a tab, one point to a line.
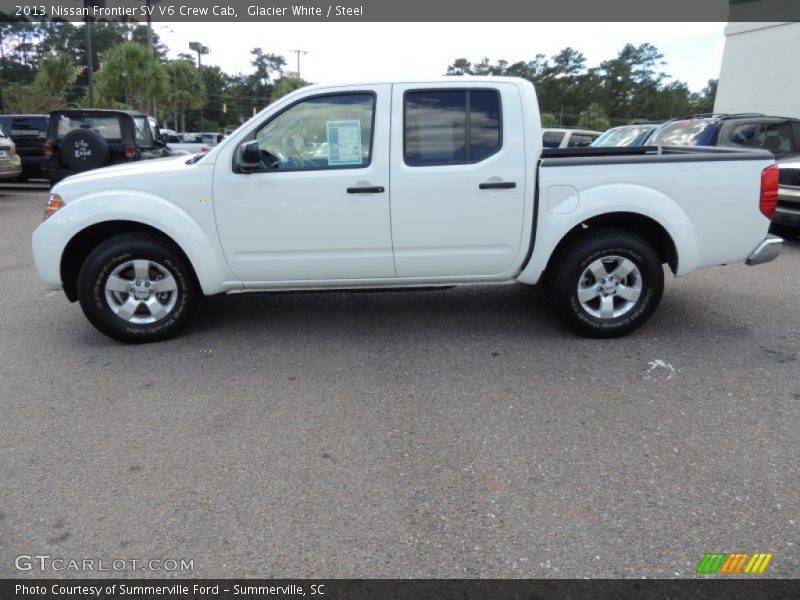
457	433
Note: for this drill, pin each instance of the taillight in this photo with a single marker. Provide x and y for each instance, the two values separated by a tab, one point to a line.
205	149
130	151
47	149
769	191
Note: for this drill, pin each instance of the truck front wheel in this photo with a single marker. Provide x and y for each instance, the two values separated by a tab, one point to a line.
135	288
606	284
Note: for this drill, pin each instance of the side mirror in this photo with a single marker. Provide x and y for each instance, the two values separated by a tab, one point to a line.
248	156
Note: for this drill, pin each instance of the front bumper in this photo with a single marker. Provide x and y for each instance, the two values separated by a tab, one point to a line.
766	251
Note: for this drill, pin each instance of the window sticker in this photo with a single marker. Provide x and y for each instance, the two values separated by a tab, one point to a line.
344	142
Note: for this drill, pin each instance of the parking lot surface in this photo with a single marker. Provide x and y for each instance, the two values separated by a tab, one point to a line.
458	433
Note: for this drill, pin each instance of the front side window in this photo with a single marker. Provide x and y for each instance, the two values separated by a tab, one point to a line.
743	135
325	132
446	127
142	132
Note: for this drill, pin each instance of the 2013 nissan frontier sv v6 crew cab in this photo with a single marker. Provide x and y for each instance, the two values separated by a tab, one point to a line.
390	185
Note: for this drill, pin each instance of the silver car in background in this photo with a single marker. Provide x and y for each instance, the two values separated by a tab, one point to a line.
626	135
10	163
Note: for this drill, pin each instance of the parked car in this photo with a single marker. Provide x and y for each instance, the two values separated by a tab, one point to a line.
779	135
10	163
625	135
84	139
181	142
211	138
568	138
474	199
787	214
28	133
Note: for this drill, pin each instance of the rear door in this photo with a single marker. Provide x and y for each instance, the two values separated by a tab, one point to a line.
457	179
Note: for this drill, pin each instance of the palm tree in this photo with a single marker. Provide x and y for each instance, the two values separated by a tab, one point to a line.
132	74
56	75
186	90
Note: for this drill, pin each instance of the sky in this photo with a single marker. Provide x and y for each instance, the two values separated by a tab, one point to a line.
342	52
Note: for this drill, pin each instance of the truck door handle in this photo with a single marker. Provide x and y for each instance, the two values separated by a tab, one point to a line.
365	190
503	185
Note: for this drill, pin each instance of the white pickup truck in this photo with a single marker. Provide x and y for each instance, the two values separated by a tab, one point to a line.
390	185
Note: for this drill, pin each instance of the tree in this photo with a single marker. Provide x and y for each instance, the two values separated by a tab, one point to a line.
595	118
566	67
267	65
704	101
549	120
131	74
286	85
56	76
186	90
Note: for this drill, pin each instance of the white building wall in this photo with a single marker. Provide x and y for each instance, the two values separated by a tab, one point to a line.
760	69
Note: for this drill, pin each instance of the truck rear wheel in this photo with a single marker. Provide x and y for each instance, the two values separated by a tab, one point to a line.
606	284
135	288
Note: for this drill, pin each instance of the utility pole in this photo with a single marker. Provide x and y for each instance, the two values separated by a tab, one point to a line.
89	68
298	53
200	49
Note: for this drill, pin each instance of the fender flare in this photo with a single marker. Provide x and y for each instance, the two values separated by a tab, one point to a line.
203	250
609	199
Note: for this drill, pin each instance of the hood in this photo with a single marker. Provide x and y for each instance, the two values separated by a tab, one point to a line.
141	175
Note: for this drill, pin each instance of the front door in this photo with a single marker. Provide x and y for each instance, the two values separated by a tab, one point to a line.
317	208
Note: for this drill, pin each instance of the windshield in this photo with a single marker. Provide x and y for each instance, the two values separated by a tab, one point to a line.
681	133
623	136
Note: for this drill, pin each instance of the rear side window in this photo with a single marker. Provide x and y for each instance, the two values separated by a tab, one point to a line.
682	133
552	139
777	137
580	140
107	127
449	127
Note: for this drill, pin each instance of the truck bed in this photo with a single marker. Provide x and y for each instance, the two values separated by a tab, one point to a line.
636	154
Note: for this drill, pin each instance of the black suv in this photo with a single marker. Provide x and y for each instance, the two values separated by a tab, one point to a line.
779	135
28	133
83	139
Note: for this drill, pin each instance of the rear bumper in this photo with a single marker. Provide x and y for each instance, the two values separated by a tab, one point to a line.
10	169
766	251
788	211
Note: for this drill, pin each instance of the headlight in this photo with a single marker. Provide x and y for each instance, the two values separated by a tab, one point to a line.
53	204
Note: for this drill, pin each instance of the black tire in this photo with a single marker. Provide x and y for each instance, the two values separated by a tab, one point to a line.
571	268
84	149
115	257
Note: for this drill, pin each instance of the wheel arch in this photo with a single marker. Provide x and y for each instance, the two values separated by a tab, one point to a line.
82	243
650	230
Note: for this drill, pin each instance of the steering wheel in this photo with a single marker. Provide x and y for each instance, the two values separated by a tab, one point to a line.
268	161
